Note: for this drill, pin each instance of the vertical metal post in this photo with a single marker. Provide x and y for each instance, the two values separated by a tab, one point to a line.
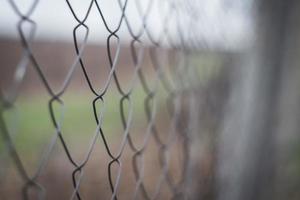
246	146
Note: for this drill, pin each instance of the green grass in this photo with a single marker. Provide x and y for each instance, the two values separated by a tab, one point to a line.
34	127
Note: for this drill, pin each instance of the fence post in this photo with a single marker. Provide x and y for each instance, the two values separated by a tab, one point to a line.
246	153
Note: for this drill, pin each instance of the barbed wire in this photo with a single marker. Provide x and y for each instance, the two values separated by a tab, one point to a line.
173	75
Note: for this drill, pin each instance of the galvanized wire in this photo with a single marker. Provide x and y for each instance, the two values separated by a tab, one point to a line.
178	84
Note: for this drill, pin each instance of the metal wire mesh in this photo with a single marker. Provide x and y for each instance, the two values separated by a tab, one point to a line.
169	52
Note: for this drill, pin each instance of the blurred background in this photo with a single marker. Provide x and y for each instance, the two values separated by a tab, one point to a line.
126	99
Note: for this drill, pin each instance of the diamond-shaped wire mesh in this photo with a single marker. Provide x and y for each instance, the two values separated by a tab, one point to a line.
152	104
121	99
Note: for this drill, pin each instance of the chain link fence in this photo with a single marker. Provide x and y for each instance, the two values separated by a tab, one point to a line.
152	80
129	99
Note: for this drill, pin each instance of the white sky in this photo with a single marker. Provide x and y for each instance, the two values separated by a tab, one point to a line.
216	26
